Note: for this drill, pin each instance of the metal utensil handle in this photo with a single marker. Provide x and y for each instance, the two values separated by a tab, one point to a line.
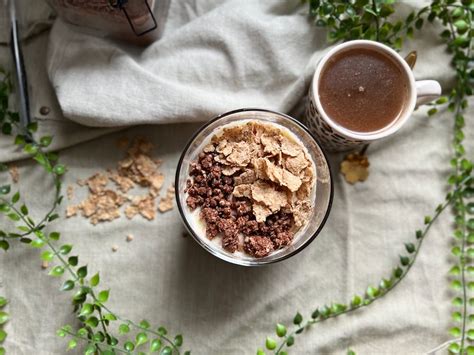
22	82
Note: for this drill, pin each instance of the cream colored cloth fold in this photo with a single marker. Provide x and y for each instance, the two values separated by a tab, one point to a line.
214	56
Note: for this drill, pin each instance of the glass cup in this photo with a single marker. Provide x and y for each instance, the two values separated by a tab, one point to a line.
322	198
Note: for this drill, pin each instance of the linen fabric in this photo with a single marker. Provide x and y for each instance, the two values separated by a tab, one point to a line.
216	56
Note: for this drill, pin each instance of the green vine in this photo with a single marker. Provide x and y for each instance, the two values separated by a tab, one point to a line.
364	19
372	293
95	317
458	37
346	20
4	317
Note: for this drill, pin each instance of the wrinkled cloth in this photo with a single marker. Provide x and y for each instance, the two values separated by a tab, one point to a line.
171	281
214	56
33	17
226	309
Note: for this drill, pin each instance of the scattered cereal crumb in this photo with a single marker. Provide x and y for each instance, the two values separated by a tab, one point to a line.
138	168
97	182
71	211
115	248
81	182
70	192
123	183
156	183
102	206
131	211
144	205
129	238
44	265
166	203
14	173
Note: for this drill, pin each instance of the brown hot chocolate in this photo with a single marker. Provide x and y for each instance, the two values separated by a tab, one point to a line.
363	90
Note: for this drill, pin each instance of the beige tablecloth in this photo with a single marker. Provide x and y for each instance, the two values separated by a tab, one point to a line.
225	309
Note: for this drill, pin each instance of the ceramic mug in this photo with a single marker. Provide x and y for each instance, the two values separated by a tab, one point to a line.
334	137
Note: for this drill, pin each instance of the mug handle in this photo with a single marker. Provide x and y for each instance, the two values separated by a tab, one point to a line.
427	91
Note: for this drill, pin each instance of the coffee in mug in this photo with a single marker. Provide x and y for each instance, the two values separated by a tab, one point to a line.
363	91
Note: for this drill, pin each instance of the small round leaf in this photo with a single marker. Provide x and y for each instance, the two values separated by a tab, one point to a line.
456	285
356	301
3	335
455	332
298	318
410	247
47	255
124	328
4	317
178	340
129	346
87	309
67	285
280	330
92	322
145	324
46	141
73	260
454	348
404	260
270	344
72	344
59	169
457	302
141	339
82	271
4	190
65	249
103	296
4	245
57	271
155	345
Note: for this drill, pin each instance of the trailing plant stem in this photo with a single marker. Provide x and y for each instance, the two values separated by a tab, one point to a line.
383	292
463	273
75	276
94	342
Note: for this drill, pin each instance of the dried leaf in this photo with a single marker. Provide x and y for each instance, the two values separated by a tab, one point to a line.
355	167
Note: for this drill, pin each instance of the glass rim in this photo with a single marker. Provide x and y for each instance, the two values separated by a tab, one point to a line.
256	261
